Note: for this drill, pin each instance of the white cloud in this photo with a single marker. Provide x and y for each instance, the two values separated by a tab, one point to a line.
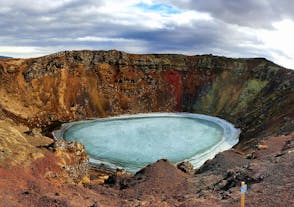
24	51
37	6
33	28
278	42
128	13
103	39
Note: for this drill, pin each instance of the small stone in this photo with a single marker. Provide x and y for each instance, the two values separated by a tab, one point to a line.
261	146
186	167
251	155
36	132
85	180
36	155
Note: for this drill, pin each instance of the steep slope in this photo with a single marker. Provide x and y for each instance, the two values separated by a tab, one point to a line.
37	94
254	94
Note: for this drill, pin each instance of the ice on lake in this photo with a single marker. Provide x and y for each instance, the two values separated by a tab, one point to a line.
131	142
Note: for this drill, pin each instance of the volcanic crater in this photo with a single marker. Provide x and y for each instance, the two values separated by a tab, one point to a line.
39	94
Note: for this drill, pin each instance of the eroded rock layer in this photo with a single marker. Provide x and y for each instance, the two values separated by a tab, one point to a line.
38	94
254	94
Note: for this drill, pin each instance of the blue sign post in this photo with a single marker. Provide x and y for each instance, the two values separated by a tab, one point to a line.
243	191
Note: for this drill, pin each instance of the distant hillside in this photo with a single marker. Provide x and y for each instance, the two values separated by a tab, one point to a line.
4	57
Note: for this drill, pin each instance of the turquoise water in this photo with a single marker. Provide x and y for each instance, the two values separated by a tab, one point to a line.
133	142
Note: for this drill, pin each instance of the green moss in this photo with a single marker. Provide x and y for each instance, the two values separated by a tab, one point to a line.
207	101
229	94
249	93
256	85
210	103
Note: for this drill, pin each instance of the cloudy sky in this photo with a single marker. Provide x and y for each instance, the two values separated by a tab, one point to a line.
244	28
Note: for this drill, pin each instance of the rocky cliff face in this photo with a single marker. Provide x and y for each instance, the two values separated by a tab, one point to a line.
36	94
255	94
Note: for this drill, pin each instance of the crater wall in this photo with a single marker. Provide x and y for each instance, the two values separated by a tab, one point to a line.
254	94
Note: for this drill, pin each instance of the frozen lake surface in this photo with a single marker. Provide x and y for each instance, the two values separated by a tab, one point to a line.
132	142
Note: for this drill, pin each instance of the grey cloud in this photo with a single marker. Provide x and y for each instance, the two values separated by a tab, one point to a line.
60	28
26	27
203	37
73	21
253	13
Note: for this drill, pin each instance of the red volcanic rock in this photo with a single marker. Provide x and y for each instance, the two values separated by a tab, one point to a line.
40	93
174	79
159	175
253	93
159	183
186	167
